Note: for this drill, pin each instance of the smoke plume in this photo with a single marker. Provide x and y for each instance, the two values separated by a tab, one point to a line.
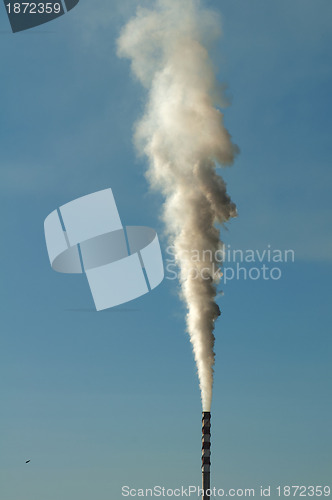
183	136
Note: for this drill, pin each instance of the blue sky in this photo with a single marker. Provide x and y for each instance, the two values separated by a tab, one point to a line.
100	400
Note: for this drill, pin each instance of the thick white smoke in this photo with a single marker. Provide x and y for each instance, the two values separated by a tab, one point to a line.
183	135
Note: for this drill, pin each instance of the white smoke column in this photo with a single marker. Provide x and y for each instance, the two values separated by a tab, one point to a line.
182	134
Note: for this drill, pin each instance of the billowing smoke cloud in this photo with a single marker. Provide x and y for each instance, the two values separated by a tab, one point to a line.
183	135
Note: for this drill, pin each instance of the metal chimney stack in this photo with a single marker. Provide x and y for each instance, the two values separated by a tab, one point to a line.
206	453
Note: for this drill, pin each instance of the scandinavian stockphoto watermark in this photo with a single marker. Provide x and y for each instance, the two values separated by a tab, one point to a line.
183	492
120	262
228	264
260	491
26	15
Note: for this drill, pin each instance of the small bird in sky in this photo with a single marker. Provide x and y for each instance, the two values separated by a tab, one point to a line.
27	461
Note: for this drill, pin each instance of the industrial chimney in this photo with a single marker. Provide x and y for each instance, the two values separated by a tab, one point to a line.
206	453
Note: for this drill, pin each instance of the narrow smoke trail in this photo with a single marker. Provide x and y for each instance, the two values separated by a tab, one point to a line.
182	134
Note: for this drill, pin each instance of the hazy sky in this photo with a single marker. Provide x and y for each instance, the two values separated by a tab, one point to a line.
102	400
